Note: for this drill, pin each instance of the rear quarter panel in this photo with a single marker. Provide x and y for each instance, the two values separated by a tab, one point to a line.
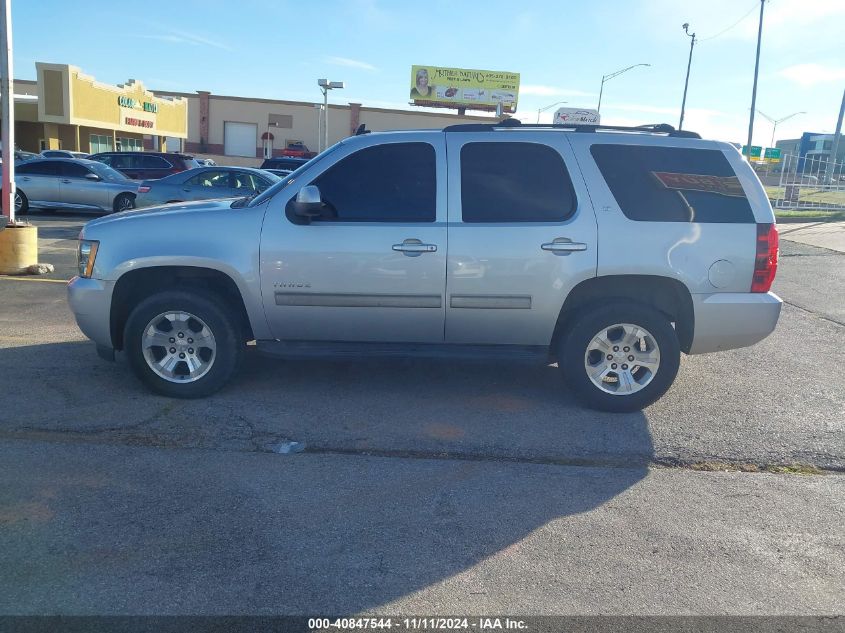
685	251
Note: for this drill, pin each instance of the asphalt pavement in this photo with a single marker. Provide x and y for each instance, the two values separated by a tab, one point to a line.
425	487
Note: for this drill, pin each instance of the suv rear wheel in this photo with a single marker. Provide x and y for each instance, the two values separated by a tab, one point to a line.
620	357
182	345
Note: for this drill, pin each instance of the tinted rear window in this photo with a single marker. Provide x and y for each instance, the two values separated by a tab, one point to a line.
152	162
40	168
673	184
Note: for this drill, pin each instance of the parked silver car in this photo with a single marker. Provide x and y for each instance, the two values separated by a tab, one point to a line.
203	184
69	183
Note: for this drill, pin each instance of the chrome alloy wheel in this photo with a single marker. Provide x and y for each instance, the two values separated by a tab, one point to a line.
18	201
622	359
178	347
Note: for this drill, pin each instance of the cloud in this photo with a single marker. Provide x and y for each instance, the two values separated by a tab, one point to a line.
812	74
552	91
176	36
349	63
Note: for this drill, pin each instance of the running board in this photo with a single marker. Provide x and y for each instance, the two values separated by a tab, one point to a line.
350	350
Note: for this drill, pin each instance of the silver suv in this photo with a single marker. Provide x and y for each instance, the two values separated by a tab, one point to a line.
606	250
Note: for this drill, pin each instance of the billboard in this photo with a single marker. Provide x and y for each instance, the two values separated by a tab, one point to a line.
438	87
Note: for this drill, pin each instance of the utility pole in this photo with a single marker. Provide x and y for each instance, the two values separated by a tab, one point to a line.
754	89
7	112
686	83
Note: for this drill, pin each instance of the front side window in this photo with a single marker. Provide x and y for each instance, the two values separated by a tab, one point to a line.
514	182
242	180
210	179
672	184
73	170
394	182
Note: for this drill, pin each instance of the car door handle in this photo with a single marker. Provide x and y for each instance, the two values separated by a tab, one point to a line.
414	247
563	246
186	189
25	178
66	181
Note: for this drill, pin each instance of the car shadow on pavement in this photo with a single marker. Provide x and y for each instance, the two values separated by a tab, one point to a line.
98	523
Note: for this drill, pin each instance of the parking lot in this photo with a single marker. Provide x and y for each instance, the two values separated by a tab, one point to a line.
424	487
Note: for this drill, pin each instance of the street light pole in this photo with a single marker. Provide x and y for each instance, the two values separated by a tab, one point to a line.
776	122
547	107
686	83
325	86
754	89
610	76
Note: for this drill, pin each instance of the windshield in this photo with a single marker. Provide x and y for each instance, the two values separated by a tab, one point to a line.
291	178
104	171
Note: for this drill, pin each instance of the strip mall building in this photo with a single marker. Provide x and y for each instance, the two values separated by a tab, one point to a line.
66	109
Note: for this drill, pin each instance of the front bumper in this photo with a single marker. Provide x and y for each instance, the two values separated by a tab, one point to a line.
90	302
727	320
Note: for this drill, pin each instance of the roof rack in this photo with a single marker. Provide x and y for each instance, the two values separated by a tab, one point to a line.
654	128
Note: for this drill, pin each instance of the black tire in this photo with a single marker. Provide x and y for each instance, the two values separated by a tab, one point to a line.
24	202
123	202
589	322
229	339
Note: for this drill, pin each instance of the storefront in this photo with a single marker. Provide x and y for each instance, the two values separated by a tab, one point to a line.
75	112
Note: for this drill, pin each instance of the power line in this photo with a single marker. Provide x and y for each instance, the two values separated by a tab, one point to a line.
720	33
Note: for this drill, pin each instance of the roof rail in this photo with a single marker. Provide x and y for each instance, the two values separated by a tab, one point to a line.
654	128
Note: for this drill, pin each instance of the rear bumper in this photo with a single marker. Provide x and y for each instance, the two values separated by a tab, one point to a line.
727	320
90	302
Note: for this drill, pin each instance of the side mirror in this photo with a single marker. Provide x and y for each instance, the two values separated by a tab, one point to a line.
91	176
308	203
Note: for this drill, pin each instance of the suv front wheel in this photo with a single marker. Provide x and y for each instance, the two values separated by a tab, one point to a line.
182	344
620	357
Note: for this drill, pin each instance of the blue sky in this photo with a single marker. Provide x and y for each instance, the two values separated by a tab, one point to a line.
279	48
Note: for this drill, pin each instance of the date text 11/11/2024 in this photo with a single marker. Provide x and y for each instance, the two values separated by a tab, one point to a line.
417	624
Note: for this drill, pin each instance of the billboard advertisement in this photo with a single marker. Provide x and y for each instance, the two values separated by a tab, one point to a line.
435	86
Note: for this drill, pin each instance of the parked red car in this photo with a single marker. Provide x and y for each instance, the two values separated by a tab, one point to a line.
298	150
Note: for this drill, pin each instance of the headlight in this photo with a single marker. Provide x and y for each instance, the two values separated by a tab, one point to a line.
85	256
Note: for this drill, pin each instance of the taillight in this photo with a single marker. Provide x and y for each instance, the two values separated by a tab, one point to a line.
766	258
143	189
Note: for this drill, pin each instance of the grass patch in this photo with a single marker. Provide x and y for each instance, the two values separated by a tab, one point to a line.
809	214
810	194
744	467
793	469
717	467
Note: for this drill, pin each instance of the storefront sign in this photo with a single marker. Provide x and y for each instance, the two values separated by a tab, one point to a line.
128	102
464	88
138	122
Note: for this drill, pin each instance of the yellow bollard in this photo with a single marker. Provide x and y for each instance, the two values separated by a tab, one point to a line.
18	248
